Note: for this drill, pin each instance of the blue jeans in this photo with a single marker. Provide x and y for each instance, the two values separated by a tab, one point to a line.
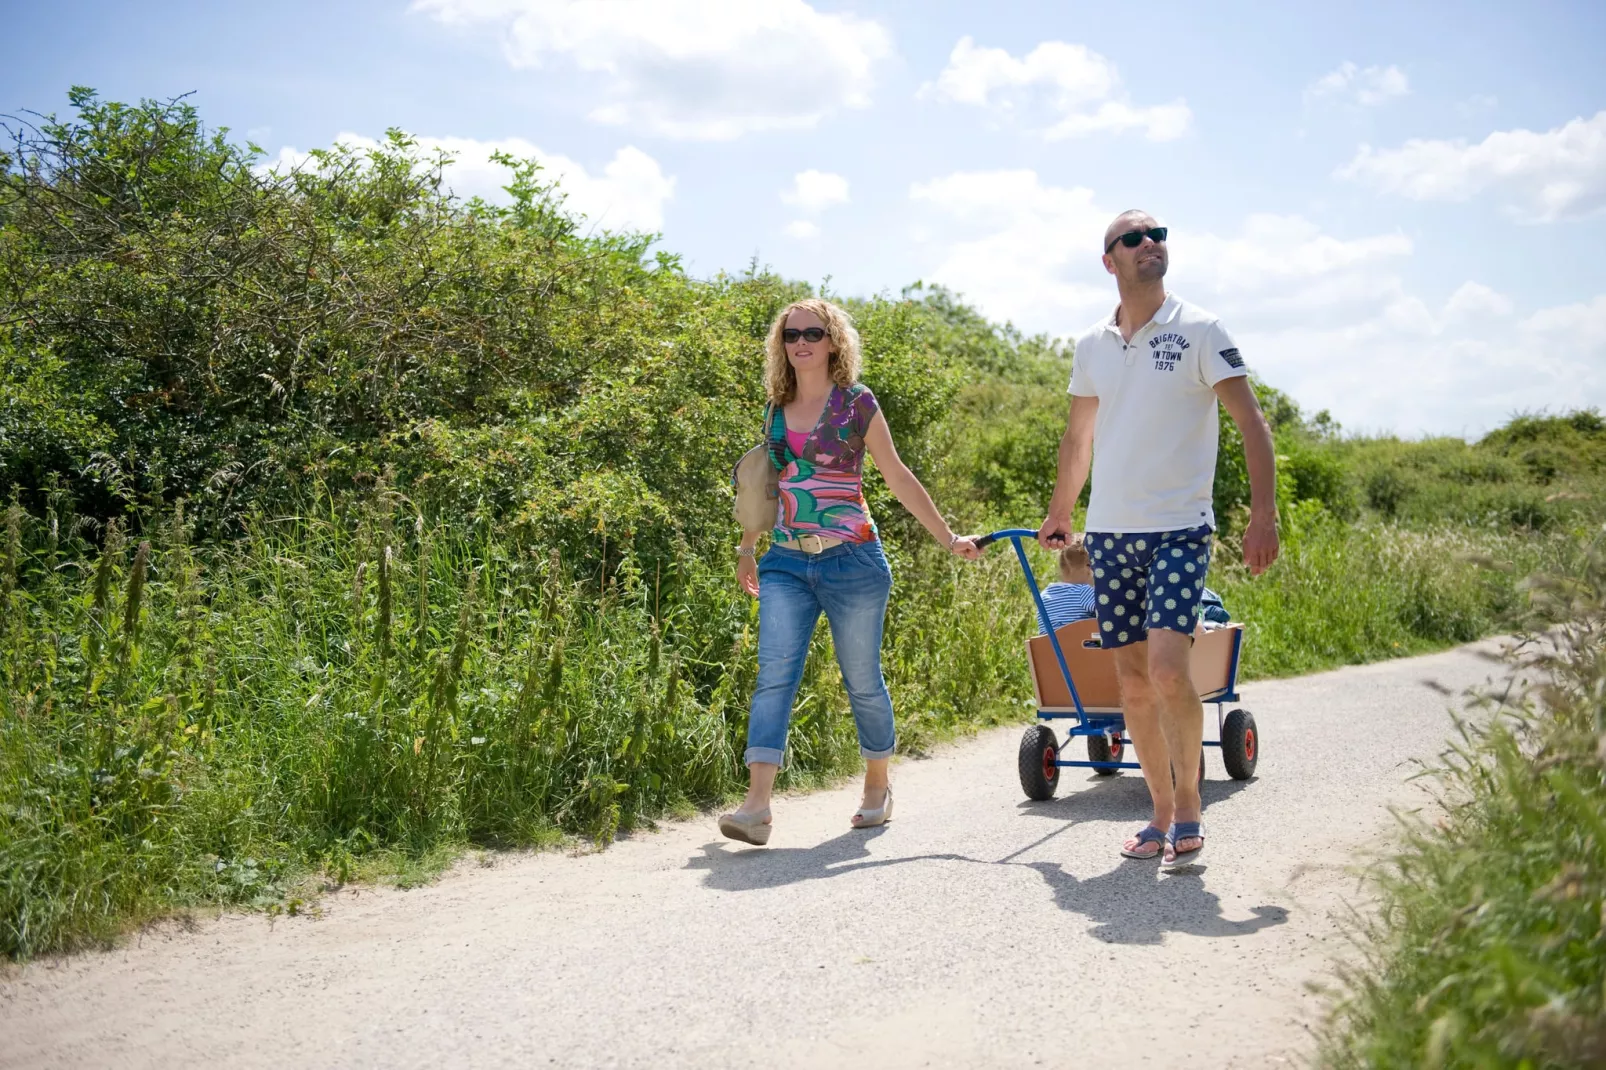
850	583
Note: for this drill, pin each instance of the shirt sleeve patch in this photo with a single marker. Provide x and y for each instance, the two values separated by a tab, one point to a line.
1232	358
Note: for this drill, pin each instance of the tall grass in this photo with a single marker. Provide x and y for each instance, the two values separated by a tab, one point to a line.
1489	948
1343	594
183	727
184	724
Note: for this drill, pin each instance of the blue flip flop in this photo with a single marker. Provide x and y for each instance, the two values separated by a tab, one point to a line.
1147	834
1183	830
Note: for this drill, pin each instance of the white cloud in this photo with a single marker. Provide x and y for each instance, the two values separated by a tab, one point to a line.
1327	318
1016	247
694	69
1366	86
1476	299
802	229
1554	175
814	191
1410	369
1578	322
1335	325
629	193
1061	90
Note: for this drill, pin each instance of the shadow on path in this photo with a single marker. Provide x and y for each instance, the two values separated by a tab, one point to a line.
748	869
1134	903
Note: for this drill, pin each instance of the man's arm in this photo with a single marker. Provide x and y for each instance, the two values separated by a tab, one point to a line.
1260	539
1075	459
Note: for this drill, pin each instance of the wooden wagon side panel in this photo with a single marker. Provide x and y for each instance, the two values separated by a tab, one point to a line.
1093	668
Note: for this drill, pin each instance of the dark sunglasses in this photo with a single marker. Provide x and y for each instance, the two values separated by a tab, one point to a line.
1134	238
807	334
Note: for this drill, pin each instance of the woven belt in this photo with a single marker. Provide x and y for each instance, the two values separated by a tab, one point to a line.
810	544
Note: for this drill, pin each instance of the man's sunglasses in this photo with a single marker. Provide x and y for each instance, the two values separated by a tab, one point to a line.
807	334
1134	238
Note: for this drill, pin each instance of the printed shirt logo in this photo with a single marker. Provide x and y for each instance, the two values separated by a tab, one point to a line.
1167	350
1232	358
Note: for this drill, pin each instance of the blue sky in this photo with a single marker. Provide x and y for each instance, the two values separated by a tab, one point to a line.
1396	208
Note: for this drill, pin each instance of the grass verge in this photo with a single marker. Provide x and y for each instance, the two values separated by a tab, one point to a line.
1489	947
343	691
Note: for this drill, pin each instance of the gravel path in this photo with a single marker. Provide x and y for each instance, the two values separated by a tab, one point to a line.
975	930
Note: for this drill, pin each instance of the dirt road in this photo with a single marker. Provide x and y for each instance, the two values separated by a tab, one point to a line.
975	930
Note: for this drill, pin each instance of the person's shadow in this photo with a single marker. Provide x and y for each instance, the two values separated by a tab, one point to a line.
1133	903
1137	904
748	869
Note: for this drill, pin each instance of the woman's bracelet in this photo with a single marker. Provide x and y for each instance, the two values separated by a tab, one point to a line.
747	551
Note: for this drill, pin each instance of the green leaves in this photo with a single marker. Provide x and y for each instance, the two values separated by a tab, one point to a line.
1490	947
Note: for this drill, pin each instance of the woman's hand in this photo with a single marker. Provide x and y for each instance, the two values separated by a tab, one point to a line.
747	574
965	546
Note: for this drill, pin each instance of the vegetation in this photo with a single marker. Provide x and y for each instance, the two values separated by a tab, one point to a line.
349	522
1490	946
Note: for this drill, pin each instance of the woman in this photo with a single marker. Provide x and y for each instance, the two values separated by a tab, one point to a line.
824	553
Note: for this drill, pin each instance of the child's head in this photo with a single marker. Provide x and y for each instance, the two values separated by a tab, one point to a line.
1074	565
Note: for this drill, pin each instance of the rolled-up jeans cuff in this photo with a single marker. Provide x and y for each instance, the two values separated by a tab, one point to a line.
767	755
876	755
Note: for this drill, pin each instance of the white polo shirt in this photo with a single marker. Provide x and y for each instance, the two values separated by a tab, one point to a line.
1155	438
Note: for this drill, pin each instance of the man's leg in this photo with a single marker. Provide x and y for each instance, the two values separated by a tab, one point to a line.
1140	703
1181	718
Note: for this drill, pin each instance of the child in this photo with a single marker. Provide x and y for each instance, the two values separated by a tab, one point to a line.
1072	598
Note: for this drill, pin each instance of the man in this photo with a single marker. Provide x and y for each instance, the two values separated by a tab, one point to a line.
1143	414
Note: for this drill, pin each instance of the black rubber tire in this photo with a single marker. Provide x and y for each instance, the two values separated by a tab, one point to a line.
1240	744
1039	776
1100	750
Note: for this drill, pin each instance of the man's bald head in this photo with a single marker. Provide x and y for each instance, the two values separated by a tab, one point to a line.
1132	219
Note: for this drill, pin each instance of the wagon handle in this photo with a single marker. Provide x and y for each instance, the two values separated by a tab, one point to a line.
1015	535
987	540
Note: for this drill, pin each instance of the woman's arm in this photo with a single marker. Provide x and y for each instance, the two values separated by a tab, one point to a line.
747	563
909	491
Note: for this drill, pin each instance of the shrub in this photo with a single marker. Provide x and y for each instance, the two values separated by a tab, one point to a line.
1489	948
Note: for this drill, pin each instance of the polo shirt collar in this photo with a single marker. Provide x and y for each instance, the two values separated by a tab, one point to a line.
1164	314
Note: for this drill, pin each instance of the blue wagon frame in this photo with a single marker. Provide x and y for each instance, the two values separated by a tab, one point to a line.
1111	724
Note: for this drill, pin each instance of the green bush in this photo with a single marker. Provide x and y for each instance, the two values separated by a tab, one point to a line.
1489	947
1343	594
181	724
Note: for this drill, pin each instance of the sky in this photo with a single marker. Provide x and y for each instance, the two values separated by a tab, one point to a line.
1397	209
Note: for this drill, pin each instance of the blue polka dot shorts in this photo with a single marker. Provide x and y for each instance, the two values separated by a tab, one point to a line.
1150	579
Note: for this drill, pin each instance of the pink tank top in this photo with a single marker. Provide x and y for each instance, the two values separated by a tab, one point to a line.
821	491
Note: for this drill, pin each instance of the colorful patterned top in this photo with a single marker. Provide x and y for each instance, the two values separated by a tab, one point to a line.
822	488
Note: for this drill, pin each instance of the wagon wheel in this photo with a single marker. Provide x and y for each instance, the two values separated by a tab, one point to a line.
1038	762
1103	748
1240	744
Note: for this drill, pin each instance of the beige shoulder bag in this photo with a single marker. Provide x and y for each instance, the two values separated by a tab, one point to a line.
758	484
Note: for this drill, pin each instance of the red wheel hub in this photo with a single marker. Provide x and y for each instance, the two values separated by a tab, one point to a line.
1115	750
1050	759
1249	743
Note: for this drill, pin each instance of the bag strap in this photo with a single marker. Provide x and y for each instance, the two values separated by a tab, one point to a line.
777	450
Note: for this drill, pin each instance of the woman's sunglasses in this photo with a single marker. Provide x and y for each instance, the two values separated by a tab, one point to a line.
807	334
1134	238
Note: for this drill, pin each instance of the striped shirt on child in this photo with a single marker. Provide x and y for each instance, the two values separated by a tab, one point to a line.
1067	602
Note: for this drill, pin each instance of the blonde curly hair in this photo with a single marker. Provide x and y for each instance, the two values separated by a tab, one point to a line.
780	381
